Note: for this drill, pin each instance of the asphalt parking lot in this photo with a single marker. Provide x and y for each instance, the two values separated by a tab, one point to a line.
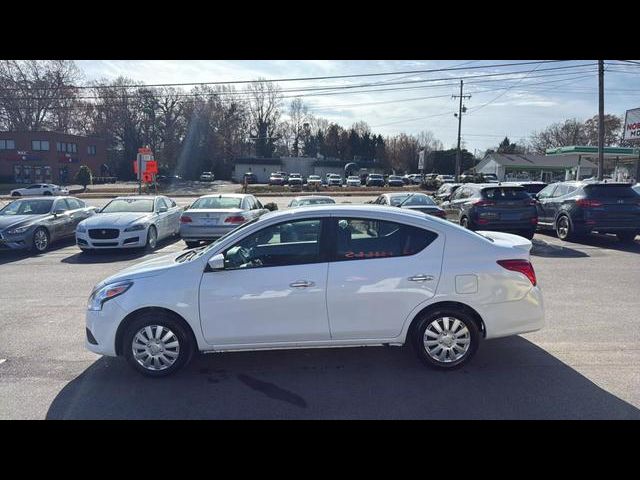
583	365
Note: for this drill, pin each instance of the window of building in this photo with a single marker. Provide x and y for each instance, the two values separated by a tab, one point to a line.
91	149
39	145
67	147
7	145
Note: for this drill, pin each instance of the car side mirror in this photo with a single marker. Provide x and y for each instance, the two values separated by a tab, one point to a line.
58	212
216	262
162	209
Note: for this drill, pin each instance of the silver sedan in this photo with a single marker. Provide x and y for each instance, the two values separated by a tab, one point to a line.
212	216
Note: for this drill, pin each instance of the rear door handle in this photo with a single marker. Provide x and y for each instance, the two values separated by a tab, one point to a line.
301	284
421	278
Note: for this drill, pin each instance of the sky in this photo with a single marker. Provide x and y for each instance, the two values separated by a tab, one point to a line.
513	105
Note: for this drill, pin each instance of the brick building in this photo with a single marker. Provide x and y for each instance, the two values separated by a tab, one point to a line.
43	157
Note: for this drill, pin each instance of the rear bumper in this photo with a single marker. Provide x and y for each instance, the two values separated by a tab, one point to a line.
513	318
195	233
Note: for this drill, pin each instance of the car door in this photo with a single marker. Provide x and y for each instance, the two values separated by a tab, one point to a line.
77	212
380	271
61	224
544	204
173	216
452	206
272	289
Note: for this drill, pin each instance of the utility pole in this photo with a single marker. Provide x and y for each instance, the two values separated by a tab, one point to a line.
600	119
461	109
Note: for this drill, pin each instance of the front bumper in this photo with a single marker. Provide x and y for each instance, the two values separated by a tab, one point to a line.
22	241
512	318
103	325
135	239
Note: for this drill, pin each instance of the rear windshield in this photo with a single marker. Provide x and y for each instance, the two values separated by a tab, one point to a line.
315	201
534	187
610	191
216	202
505	193
411	200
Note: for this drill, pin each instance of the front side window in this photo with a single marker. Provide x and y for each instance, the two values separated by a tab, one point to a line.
27	207
161	203
289	243
368	238
547	191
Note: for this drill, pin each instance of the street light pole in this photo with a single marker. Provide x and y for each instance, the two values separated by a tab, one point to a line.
600	119
459	115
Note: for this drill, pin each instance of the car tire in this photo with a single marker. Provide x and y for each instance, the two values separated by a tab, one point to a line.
466	223
153	356
564	228
529	234
40	240
450	350
152	239
192	244
627	237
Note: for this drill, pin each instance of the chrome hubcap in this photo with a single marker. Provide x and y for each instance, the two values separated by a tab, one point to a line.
155	347
40	240
446	339
563	227
152	238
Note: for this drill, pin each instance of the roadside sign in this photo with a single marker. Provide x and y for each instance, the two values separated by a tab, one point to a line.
631	130
152	167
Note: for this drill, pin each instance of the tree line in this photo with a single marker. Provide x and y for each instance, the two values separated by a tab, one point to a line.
207	127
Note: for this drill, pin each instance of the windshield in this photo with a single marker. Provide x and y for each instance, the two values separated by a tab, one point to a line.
129	205
27	207
314	177
315	201
216	202
414	200
505	193
375	176
610	191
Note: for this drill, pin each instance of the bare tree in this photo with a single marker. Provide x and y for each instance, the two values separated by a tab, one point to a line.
37	95
265	99
569	132
298	117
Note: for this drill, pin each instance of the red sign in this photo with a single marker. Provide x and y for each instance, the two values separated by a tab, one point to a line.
147	177
151	167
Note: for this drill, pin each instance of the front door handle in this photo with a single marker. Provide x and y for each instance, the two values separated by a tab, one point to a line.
421	278
302	284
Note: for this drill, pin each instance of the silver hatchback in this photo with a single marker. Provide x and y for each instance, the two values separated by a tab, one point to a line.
212	216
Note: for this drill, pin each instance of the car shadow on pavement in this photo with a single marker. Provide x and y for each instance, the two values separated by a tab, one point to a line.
9	256
510	378
108	255
597	240
542	248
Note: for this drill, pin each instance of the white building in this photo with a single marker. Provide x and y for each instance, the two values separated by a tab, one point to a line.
545	168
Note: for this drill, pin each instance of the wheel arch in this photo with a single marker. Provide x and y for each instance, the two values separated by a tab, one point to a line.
126	321
446	304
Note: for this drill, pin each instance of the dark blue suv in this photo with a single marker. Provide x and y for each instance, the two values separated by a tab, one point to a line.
576	208
492	206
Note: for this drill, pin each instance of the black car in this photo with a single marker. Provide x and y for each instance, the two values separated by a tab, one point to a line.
420	202
168	179
249	178
445	191
577	208
494	207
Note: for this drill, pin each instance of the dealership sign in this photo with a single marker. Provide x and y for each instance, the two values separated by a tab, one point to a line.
632	125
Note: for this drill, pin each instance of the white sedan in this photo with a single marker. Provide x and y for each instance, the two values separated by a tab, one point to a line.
362	275
39	189
130	222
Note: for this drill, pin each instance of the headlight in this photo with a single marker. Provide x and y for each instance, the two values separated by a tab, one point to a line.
18	231
81	228
112	290
135	228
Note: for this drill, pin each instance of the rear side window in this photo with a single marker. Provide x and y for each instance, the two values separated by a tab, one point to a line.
360	239
610	191
505	193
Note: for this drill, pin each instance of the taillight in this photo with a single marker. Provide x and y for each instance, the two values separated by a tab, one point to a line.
588	203
235	219
483	203
522	266
185	219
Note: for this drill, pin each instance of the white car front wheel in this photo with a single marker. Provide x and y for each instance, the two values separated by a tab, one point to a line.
152	238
